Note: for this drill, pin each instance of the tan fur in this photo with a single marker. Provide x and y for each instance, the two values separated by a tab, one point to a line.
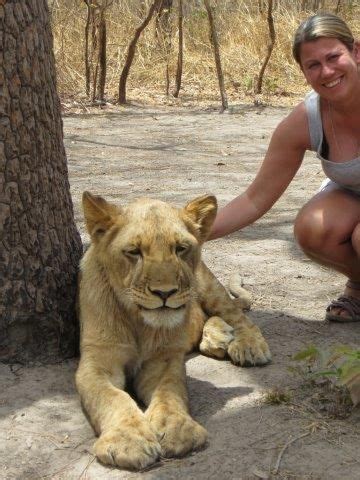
144	299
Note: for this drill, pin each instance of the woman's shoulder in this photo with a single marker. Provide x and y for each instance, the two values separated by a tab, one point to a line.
294	128
300	113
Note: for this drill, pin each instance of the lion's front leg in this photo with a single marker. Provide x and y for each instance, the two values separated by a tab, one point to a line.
248	346
126	438
244	344
161	385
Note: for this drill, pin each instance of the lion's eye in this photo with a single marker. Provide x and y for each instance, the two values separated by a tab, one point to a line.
179	249
133	252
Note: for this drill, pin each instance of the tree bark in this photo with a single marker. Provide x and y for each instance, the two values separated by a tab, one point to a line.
39	244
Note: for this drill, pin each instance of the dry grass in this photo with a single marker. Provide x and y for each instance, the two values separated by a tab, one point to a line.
243	34
276	396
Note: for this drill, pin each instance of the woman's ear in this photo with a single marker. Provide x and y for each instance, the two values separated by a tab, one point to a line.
356	51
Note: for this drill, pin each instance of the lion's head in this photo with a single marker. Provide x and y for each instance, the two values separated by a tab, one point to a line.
149	251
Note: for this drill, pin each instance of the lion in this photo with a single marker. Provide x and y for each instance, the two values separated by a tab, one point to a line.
145	300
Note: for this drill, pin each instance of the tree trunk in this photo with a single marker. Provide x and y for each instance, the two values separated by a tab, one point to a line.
102	59
163	28
258	87
215	43
86	53
180	59
162	19
131	52
338	6
39	244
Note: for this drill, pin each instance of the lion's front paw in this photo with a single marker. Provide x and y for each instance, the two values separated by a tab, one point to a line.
249	348
216	337
178	434
131	448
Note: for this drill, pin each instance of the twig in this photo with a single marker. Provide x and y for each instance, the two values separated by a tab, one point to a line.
92	458
51	438
62	469
14	370
275	470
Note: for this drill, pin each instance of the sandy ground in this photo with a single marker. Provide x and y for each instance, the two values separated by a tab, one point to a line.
176	155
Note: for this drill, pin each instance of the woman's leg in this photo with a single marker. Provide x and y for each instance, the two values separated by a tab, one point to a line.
327	229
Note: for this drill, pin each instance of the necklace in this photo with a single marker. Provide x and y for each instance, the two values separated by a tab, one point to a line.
335	136
333	128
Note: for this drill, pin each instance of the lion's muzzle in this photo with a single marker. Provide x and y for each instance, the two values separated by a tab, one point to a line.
163	294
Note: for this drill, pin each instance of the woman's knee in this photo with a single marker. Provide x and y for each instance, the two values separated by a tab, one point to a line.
328	220
309	230
355	239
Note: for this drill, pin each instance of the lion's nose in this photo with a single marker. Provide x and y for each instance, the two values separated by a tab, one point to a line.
164	294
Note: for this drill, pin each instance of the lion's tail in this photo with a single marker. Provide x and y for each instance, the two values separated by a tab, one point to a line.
242	297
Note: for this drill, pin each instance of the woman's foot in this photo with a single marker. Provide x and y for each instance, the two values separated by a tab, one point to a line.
347	307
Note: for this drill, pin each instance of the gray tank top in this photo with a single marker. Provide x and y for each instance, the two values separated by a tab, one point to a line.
345	174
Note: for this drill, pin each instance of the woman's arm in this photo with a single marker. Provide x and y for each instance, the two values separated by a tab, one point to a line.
282	160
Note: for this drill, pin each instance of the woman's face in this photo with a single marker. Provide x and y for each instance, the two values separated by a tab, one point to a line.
330	68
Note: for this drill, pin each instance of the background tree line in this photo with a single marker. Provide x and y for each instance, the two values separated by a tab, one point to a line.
92	39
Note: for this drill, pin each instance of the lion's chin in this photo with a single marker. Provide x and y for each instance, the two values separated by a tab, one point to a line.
164	317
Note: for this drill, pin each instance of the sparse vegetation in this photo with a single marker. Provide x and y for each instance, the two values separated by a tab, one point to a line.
277	396
330	381
243	37
335	374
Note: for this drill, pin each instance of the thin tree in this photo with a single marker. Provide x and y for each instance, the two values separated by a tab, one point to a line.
163	34
180	59
39	244
162	19
95	50
86	53
271	43
215	43
261	6
100	92
338	7
131	51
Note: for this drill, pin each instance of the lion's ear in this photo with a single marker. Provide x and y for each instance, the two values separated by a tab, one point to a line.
99	214
202	211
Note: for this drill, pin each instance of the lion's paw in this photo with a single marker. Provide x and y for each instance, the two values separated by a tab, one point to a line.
249	349
131	448
178	434
216	337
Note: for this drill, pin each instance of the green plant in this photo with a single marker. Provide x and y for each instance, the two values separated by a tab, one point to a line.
271	84
340	363
276	396
248	83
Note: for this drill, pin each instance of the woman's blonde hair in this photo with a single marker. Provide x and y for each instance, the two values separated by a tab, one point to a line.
321	25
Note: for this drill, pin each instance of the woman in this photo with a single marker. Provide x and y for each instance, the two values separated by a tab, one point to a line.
328	121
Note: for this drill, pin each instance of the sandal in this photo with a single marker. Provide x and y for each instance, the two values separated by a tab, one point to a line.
349	304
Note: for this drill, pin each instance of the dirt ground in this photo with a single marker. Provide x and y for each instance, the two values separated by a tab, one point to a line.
176	155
